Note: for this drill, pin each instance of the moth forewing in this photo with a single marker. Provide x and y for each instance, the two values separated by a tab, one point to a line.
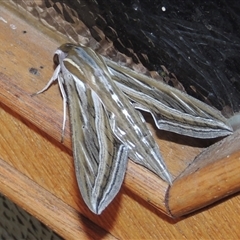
100	159
106	128
171	109
125	122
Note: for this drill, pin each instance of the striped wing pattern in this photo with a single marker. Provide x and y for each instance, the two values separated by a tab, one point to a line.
107	128
100	158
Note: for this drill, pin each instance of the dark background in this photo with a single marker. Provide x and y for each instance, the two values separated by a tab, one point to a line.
199	41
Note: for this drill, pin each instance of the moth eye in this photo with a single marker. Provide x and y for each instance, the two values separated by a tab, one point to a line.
56	59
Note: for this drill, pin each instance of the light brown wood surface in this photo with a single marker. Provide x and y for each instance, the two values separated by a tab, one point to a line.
36	170
213	175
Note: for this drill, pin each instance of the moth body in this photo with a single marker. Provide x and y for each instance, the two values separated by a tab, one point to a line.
126	123
107	128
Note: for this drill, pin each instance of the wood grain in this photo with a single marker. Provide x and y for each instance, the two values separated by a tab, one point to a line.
213	175
45	111
47	207
27	178
35	166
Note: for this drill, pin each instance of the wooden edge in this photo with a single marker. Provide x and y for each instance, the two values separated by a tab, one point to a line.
45	111
66	221
45	114
213	175
147	186
138	179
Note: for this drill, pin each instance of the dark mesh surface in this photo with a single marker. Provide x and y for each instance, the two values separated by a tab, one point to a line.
196	40
17	224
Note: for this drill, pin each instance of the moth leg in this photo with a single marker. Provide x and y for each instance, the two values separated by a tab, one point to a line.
53	78
57	76
64	96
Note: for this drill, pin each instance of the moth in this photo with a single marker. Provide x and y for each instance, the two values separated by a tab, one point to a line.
107	127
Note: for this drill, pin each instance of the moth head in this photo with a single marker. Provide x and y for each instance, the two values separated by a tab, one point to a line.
66	47
62	52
